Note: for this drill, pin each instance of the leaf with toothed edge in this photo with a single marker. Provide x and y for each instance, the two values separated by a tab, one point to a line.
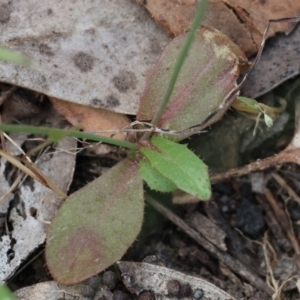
179	165
96	225
154	179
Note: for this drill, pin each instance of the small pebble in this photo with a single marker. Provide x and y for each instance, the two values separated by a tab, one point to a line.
87	291
223	188
120	295
173	287
146	295
250	219
150	259
198	294
109	279
186	290
94	282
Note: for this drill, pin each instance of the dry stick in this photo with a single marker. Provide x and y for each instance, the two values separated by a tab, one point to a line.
224	258
285	185
2	139
284	221
270	278
39	147
12	187
286	156
32	171
273	224
26	265
5	95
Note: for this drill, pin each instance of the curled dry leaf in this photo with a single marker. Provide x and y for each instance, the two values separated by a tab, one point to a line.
96	224
175	18
243	21
202	92
140	277
95	120
256	14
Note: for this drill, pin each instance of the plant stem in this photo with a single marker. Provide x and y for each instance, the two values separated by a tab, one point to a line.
201	6
57	134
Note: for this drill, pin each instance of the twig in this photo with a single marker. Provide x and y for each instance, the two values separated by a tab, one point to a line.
284	222
286	156
284	184
269	270
7	94
224	258
17	146
12	187
32	171
273	224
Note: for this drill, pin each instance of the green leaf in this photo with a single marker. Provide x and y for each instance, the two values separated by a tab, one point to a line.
201	94
154	179
5	293
96	225
268	120
247	105
180	165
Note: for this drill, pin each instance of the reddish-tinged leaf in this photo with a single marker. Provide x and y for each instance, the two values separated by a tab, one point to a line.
206	79
96	225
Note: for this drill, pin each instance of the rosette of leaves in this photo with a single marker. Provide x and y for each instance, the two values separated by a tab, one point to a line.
96	225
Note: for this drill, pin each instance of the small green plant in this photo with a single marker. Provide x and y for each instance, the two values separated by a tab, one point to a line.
97	224
252	108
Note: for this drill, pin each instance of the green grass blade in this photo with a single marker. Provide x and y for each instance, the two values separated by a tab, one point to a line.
56	134
181	58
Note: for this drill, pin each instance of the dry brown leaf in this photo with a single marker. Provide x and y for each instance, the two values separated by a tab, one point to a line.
278	62
139	277
91	119
257	13
94	53
243	21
